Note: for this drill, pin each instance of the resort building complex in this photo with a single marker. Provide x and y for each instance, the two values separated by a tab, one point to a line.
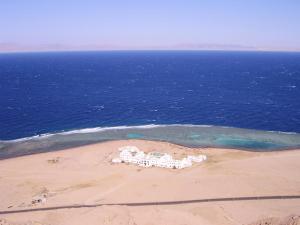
131	154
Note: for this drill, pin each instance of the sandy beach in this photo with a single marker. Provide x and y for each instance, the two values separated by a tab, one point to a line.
82	186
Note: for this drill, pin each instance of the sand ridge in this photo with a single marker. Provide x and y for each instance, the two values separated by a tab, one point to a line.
85	176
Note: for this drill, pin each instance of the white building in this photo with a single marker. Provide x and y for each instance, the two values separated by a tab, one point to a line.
131	154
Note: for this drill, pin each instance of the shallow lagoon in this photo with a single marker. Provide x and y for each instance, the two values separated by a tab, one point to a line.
187	135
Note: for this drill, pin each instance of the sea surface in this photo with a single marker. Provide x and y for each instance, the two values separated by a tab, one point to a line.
247	100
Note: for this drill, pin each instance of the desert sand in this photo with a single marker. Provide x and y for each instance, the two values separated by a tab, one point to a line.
82	186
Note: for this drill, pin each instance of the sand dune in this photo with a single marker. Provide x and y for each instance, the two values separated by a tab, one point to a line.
81	186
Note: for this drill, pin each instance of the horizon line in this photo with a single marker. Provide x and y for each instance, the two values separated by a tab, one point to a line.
148	50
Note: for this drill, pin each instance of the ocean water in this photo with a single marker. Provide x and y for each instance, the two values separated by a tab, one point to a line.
72	96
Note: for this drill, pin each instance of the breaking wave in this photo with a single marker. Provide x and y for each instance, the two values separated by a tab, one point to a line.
183	134
147	126
100	129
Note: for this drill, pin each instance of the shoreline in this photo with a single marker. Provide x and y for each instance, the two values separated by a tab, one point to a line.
96	129
74	146
194	136
71	146
81	184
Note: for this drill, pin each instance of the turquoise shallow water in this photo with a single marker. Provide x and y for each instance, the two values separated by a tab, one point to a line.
187	135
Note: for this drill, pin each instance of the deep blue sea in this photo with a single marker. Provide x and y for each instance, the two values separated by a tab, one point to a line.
68	91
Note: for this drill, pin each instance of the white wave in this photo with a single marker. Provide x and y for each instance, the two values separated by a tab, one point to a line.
39	136
81	131
282	132
192	125
227	127
147	126
99	129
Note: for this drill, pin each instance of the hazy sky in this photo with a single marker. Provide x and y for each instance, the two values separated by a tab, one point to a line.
149	24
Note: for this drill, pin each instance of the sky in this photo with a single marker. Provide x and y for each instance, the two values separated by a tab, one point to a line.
50	25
